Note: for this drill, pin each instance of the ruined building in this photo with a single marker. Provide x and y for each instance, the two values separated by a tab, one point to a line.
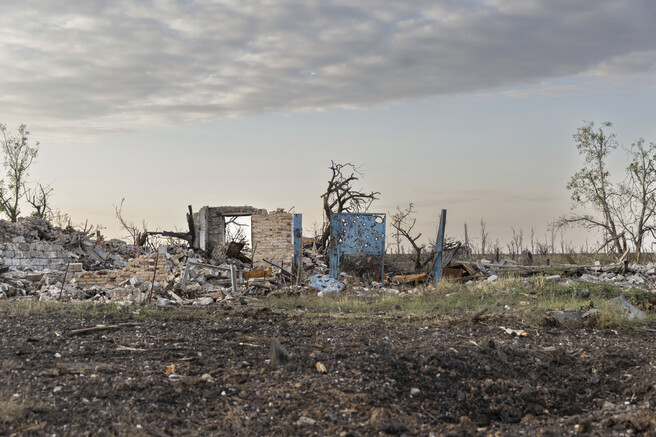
271	233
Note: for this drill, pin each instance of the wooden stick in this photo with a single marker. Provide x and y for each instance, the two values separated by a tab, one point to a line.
64	281
99	328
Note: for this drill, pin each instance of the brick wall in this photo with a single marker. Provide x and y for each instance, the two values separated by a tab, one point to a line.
36	255
142	266
273	238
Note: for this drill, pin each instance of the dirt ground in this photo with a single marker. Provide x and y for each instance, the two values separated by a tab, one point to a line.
385	376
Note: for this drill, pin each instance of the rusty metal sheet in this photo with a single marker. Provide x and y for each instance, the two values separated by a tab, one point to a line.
353	234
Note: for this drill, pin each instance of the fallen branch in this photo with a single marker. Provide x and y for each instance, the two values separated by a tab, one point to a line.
98	328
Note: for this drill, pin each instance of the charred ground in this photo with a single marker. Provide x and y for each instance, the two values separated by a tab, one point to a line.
205	372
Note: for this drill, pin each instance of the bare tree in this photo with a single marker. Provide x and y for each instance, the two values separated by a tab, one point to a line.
484	236
342	196
138	236
235	230
18	157
516	246
39	198
403	222
553	235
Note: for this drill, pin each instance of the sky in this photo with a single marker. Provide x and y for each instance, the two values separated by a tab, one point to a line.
465	105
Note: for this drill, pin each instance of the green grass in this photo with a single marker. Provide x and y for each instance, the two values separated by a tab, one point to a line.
529	300
526	300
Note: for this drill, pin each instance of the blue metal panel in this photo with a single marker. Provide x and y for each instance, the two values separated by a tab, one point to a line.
355	233
298	240
439	246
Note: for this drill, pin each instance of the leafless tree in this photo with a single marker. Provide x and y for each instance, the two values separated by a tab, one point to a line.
342	196
403	223
484	236
39	198
553	235
235	230
138	236
516	246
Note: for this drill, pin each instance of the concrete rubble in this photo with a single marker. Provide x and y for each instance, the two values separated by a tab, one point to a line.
41	261
45	262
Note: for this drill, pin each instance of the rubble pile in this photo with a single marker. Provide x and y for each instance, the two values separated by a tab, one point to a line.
42	261
622	275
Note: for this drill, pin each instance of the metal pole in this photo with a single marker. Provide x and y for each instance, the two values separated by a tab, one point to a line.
439	247
233	277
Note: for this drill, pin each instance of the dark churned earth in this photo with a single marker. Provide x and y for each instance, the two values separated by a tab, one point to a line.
384	375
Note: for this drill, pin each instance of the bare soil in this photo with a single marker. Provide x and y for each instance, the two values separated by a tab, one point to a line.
472	378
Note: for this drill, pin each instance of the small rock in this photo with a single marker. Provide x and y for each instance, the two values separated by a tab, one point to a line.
414	391
203	301
162	302
304	420
492	278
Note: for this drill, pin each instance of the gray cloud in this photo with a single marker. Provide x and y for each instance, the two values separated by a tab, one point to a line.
161	61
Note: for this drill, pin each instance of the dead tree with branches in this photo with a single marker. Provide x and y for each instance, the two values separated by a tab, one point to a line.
403	223
138	236
39	198
342	196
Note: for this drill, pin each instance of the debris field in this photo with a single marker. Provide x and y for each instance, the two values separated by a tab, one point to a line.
197	351
381	375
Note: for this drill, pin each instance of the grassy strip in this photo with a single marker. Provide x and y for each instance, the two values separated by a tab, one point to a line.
530	300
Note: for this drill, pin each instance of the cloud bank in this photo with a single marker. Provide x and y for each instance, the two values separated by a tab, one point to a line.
163	61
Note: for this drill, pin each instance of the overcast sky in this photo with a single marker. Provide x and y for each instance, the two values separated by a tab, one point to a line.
468	105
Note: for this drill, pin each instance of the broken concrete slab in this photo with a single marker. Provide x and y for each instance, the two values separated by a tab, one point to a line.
325	285
628	310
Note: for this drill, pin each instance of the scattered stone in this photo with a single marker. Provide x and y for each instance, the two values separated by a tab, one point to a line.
163	302
203	301
304	420
492	278
414	391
